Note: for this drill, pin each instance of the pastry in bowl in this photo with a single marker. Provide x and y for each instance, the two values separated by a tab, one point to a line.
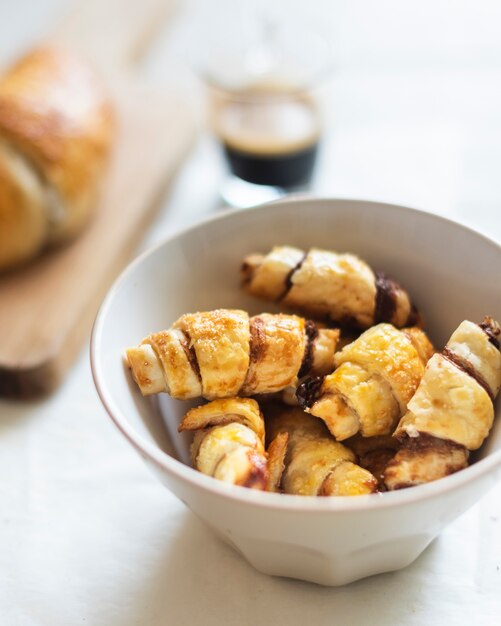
305	460
341	287
56	132
328	540
225	353
229	441
375	376
452	410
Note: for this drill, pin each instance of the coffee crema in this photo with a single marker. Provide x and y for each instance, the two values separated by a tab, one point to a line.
268	137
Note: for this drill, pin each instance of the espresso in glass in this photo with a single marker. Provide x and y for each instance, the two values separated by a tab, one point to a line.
269	134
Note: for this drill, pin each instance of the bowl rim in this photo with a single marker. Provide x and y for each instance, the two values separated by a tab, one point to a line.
166	463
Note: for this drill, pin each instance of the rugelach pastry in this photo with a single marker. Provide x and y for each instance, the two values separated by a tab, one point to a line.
326	284
56	130
229	441
303	459
223	354
375	377
452	410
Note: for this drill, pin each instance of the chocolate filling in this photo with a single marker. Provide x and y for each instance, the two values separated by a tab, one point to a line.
246	272
308	391
386	303
288	278
191	355
492	330
311	332
468	369
414	318
257	346
425	441
348	321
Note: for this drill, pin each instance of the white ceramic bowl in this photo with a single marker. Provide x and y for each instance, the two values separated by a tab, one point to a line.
451	272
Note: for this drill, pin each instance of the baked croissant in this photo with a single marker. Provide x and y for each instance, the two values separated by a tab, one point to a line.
223	353
56	130
375	377
452	410
229	441
321	283
304	459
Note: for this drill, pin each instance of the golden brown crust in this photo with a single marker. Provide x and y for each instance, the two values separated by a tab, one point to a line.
387	352
229	410
422	460
172	349
312	457
23	216
54	112
163	362
348	479
368	397
295	422
376	376
266	277
421	342
276	461
229	441
339	285
221	354
220	339
341	420
278	346
323	283
448	404
452	409
323	350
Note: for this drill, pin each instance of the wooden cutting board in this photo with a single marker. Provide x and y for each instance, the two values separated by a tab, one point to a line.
47	307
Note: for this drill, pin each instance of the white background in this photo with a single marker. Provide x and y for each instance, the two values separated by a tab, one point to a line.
87	536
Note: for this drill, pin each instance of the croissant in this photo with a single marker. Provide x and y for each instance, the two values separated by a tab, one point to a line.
452	409
229	441
223	353
321	283
375	377
303	458
56	130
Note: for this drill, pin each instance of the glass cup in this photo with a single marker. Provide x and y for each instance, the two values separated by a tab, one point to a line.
265	111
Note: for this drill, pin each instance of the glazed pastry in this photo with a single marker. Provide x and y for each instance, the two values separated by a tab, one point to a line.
288	394
452	410
341	287
56	131
305	460
229	441
223	353
375	377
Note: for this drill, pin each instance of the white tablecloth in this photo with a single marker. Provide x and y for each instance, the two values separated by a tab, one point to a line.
87	535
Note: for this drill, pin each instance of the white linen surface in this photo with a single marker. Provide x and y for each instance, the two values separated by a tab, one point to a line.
88	536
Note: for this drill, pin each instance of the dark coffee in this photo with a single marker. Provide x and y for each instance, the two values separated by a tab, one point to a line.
269	138
282	170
